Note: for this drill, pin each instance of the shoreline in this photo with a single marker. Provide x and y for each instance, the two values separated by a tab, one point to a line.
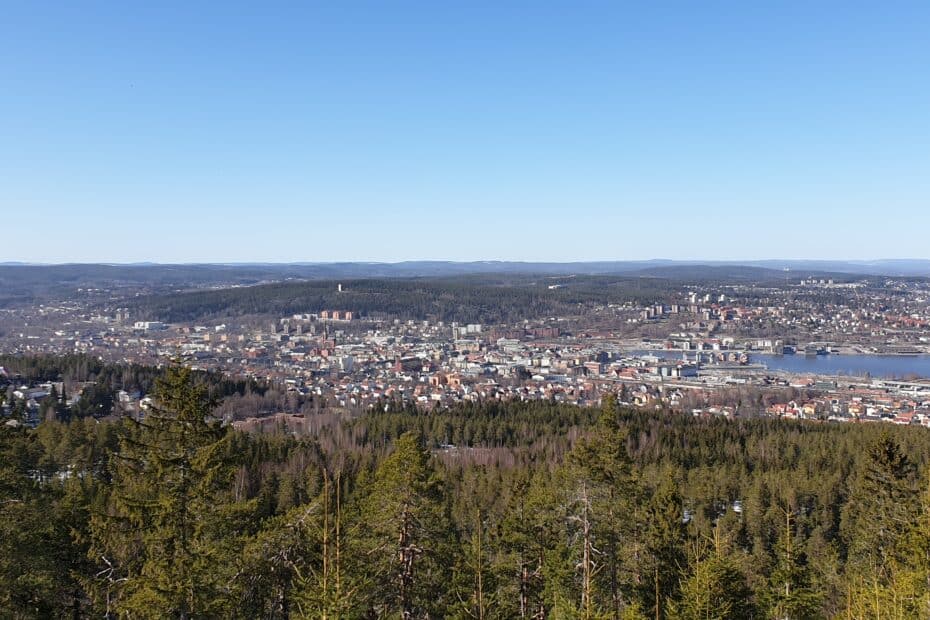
847	353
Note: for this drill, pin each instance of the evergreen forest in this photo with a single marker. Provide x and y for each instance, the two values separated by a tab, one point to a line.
498	510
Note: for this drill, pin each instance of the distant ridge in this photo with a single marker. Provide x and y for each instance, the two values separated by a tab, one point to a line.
181	274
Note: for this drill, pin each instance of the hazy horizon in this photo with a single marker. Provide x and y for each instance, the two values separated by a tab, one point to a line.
659	259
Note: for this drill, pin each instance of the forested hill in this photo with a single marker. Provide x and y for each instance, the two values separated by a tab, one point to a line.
467	299
32	284
504	510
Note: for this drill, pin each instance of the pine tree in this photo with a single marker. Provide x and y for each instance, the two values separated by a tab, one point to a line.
293	566
530	537
327	589
269	567
475	579
53	407
403	548
600	496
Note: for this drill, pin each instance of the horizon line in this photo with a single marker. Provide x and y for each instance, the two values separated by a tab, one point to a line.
239	263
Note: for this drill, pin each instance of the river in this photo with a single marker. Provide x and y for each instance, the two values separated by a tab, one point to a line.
879	366
884	366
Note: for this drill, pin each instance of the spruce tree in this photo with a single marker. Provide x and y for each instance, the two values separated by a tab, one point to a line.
403	548
664	537
881	507
531	539
902	588
716	587
600	496
789	595
31	538
326	587
163	545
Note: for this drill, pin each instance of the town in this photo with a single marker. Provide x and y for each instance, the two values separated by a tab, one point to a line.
711	348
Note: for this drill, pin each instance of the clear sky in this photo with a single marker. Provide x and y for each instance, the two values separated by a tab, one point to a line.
197	131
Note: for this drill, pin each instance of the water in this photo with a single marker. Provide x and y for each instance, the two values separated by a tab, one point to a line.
878	366
882	366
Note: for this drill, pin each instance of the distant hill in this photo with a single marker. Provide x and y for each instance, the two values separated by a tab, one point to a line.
11	273
713	272
26	283
881	267
485	298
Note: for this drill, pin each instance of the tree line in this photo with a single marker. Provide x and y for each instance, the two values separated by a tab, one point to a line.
501	510
468	299
98	382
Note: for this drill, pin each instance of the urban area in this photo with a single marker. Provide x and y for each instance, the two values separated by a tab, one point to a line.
700	348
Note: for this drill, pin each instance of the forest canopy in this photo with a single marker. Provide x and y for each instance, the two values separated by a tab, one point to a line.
500	510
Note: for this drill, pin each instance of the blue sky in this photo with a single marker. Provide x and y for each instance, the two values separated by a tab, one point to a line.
181	132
